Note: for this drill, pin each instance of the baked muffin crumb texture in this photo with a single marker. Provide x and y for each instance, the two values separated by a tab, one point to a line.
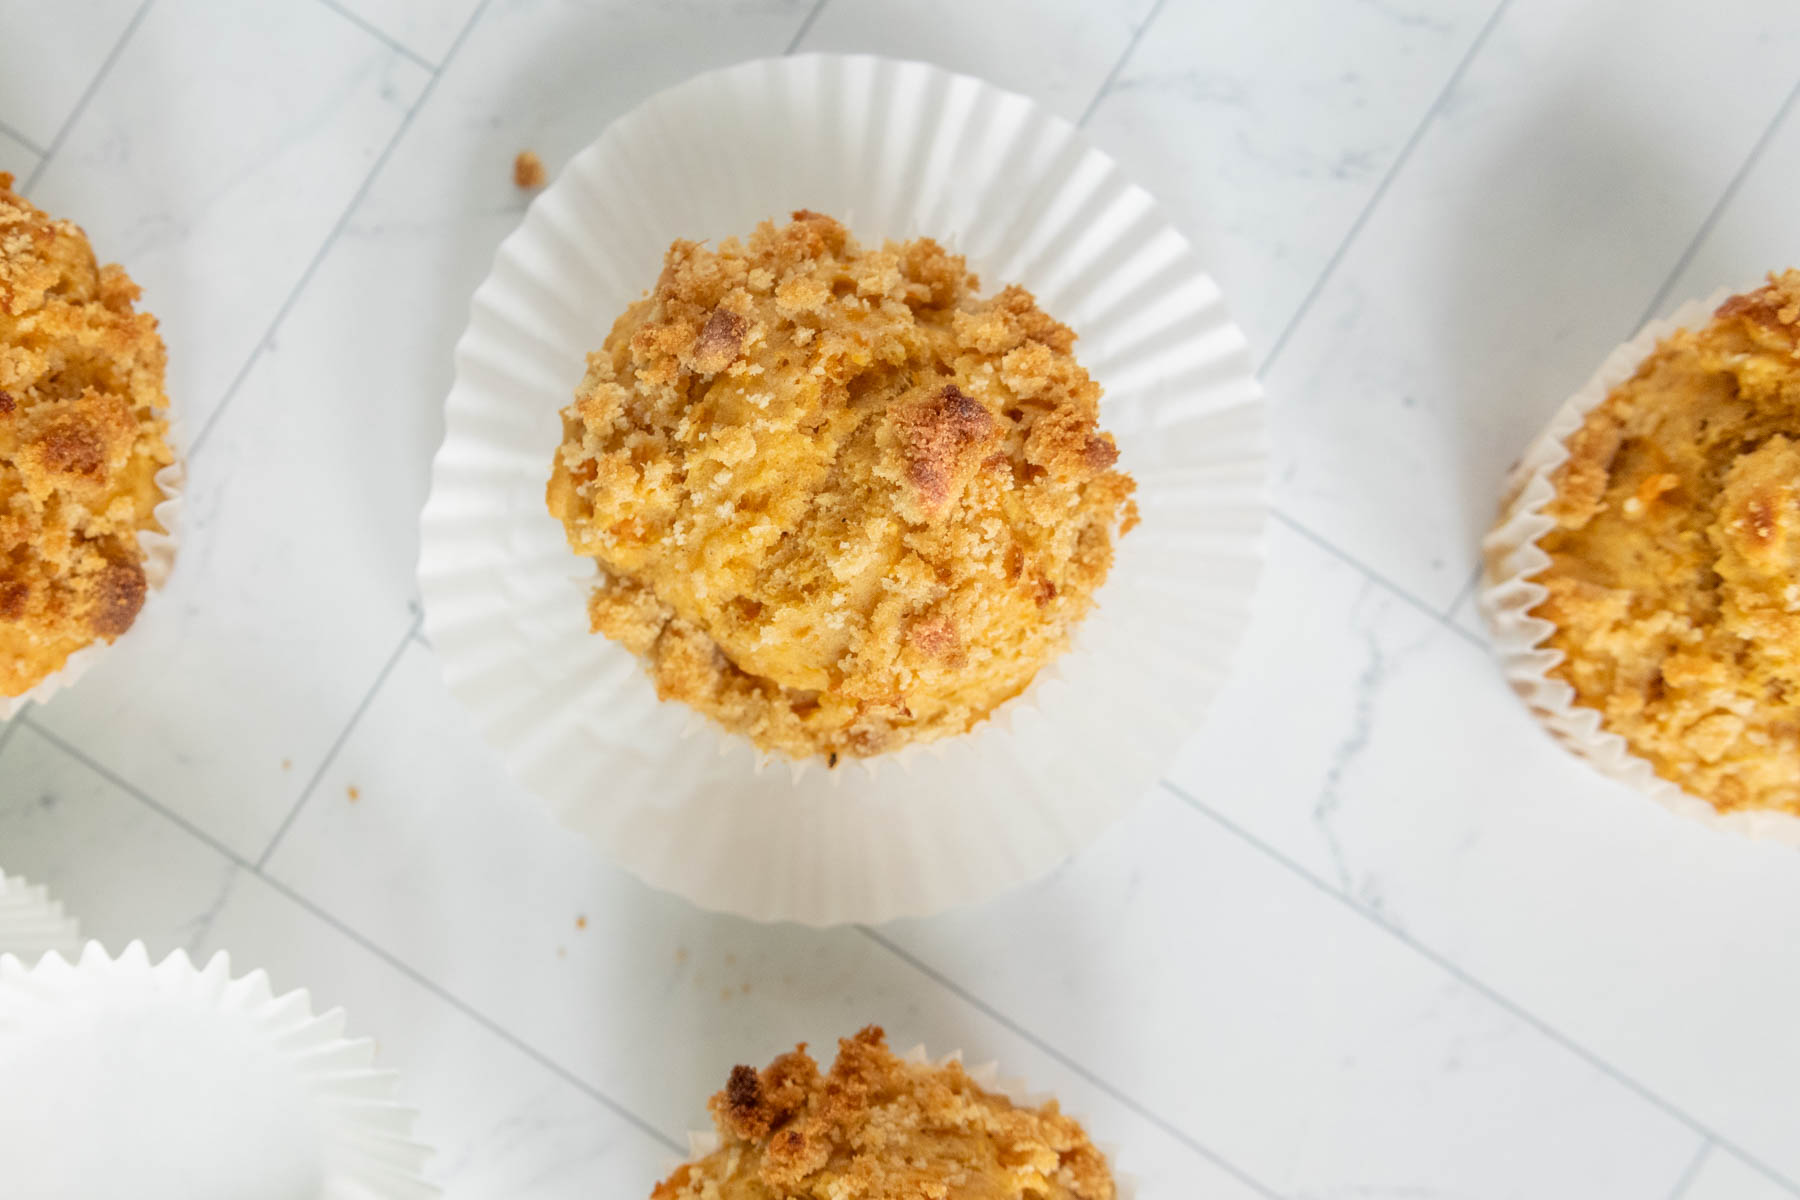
1674	584
82	436
838	502
878	1128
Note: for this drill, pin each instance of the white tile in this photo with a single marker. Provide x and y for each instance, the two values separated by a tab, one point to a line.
501	1122
1724	1176
244	131
1266	128
1318	1064
1058	52
1385	755
16	158
123	870
50	54
426	27
1750	237
442	862
291	590
1307	1044
1546	202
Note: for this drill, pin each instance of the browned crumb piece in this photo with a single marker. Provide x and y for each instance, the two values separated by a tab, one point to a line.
877	1128
838	502
81	439
1674	581
528	171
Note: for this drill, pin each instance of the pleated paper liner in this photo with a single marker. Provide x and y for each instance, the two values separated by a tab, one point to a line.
987	1077
159	559
168	1081
32	924
1511	558
898	150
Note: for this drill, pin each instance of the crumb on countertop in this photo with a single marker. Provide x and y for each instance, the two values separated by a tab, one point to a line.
528	171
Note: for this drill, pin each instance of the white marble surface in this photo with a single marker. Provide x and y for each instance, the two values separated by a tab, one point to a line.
1376	937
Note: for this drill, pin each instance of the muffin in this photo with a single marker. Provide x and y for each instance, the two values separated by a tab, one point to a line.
838	503
878	1128
82	437
1673	584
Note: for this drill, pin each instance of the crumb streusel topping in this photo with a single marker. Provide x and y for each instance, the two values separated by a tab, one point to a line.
1675	562
838	502
81	440
877	1128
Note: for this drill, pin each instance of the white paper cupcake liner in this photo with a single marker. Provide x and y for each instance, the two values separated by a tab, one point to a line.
702	1142
159	559
898	150
32	924
1511	558
171	1082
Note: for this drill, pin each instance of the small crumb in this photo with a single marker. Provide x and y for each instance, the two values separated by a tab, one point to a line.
731	960
681	954
562	952
744	987
581	922
354	793
287	764
528	171
724	993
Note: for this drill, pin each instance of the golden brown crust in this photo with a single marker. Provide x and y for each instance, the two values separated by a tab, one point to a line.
839	503
877	1128
82	435
1674	582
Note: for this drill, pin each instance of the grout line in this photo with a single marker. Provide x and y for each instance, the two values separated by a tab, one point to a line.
130	789
476	1015
1718	209
337	744
1112	76
24	141
1463	977
1168	1127
1463	593
87	96
459	1005
331	239
1692	1172
1344	556
806	25
380	35
1381	190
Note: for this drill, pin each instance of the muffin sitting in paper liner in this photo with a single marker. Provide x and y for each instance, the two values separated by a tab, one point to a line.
85	467
838	503
880	1128
1663	559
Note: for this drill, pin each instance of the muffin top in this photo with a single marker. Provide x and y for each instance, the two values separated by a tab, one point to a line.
1674	582
877	1128
838	502
81	439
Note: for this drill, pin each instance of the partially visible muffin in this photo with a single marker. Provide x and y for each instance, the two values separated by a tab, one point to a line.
877	1128
1674	582
838	502
82	436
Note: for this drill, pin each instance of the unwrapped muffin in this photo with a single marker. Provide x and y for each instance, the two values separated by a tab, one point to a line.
838	503
1673	583
82	437
878	1128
